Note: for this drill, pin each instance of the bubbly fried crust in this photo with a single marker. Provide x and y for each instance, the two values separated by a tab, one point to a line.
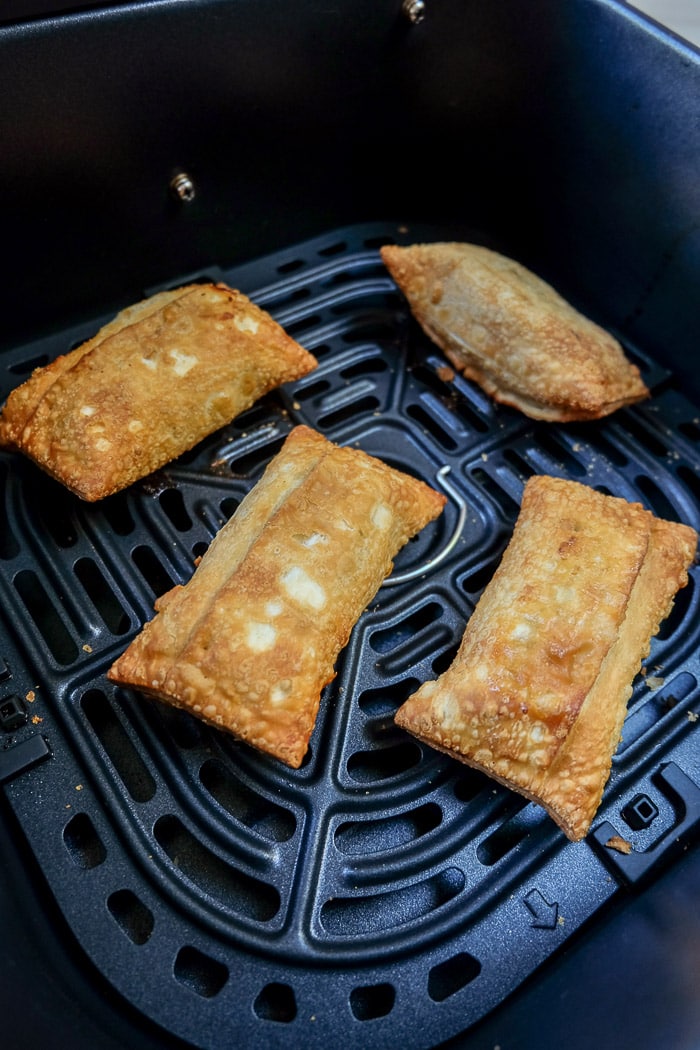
153	382
511	332
537	693
249	643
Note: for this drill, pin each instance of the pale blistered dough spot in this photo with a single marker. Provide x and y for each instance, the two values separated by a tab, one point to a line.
281	690
381	516
88	410
134	426
183	363
150	364
273	609
246	324
305	590
314	539
260	636
103	445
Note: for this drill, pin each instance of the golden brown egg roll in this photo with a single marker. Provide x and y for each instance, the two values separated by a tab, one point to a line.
153	382
512	333
537	693
251	640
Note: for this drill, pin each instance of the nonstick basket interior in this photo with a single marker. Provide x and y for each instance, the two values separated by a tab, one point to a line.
383	894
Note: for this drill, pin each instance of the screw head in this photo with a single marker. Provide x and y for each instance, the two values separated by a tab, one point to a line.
182	187
414	10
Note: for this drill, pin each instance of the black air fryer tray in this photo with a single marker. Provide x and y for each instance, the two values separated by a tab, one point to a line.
383	894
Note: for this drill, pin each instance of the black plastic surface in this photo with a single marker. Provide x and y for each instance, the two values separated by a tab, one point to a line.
381	882
563	134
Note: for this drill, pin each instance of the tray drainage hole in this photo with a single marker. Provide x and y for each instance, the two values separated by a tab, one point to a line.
47	620
241	893
114	739
247	806
199	972
450	976
152	570
174	506
102	596
368	767
83	843
361	916
276	1002
131	915
372	1001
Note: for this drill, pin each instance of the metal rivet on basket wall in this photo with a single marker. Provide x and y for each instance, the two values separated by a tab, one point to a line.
182	187
414	10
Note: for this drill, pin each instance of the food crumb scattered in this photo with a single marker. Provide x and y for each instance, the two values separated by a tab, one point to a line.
692	716
654	682
30	697
78	787
445	373
619	844
87	648
36	720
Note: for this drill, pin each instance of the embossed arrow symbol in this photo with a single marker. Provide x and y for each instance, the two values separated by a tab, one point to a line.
544	914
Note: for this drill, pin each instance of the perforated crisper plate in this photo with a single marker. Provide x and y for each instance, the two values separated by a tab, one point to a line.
383	894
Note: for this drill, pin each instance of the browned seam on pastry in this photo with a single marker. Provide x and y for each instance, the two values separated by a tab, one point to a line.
250	641
149	387
23	401
508	330
537	693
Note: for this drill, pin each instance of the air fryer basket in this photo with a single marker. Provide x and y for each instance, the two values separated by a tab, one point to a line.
382	881
382	895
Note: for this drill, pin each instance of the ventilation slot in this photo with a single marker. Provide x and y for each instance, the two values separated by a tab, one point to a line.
449	977
354	916
133	918
174	506
691	480
371	767
248	463
186	730
511	833
22	368
9	548
152	570
102	596
497	492
121	752
654	708
367	366
363	405
247	806
560	456
233	889
315	389
83	843
199	972
680	609
655	498
359	838
386	640
48	622
229	506
379	703
276	1002
372	1001
469	784
118	516
428	421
